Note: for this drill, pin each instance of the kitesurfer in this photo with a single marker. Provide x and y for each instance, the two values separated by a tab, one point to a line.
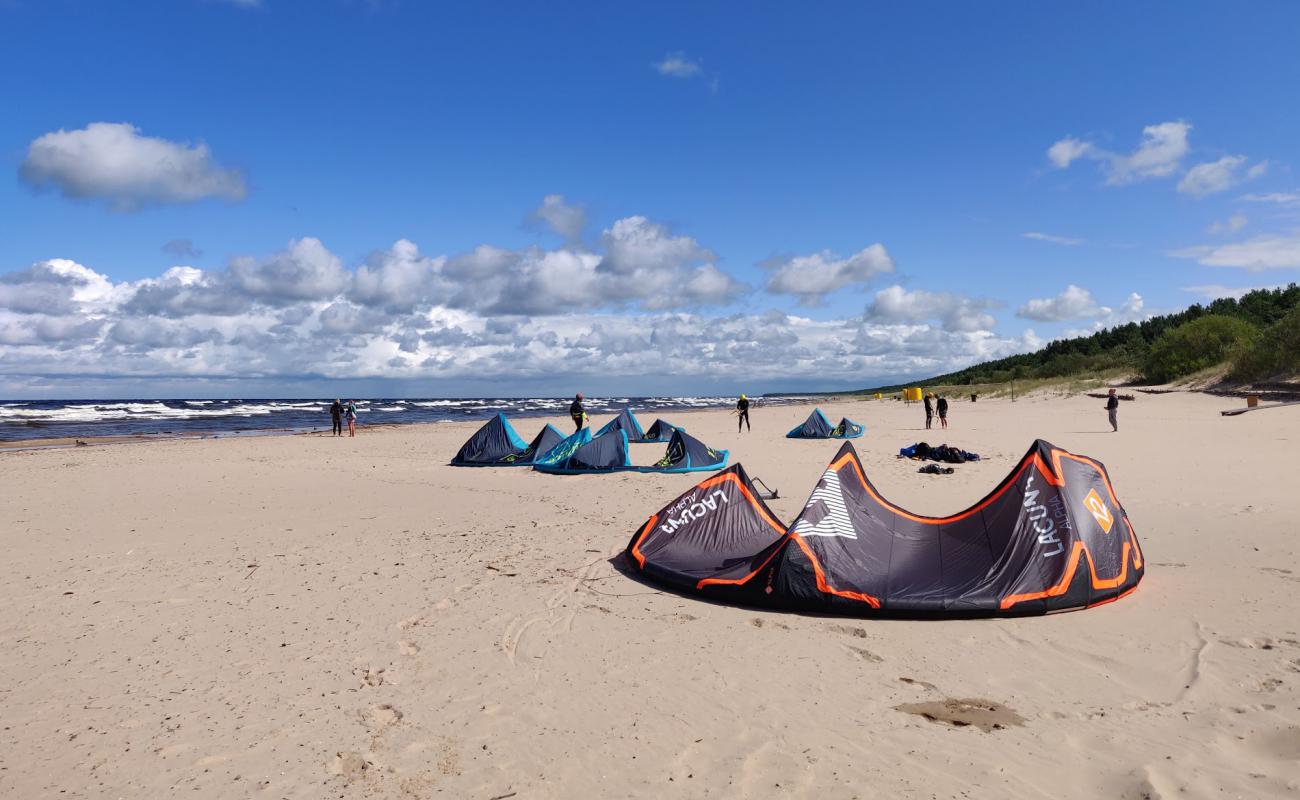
742	413
577	412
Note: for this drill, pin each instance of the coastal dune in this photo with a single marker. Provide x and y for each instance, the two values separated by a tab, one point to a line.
303	616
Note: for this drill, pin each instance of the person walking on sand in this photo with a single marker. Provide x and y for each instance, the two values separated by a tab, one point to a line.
577	412
929	410
941	405
336	415
350	411
742	413
1112	410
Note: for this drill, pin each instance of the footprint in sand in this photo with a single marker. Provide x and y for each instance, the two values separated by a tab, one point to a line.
371	676
986	715
380	716
407	648
849	630
348	765
864	654
677	618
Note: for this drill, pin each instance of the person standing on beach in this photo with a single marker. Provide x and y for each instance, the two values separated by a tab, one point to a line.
1112	410
942	407
929	410
350	411
336	415
742	413
577	412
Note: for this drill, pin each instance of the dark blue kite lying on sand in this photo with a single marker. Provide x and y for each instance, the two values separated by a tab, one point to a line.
627	422
818	427
497	445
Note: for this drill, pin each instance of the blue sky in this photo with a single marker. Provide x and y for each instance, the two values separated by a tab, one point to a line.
771	196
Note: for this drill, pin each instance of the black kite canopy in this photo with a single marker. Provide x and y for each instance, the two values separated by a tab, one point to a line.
1051	537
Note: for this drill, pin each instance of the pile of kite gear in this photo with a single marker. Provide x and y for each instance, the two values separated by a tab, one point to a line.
497	445
817	426
949	455
1051	537
935	469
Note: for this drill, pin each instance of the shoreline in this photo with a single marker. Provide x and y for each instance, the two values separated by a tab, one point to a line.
67	442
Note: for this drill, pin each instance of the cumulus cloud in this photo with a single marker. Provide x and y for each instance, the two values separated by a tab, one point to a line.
113	162
228	324
1231	225
1047	237
1218	176
1159	154
1132	310
954	312
566	220
810	278
677	65
55	286
1268	251
1072	303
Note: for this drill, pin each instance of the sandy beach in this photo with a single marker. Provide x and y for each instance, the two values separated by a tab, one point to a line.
303	616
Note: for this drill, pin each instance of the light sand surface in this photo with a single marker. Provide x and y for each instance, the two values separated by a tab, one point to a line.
308	617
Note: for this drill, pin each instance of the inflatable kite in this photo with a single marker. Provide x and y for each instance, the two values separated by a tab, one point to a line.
818	427
626	422
497	445
1051	537
661	431
582	453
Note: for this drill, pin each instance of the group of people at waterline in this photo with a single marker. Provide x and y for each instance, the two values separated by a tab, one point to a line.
934	403
579	414
340	411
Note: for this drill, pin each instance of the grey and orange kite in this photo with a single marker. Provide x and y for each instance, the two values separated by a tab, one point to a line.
1051	537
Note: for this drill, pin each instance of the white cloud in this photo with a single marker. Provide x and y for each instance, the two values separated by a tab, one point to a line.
1072	303
1219	176
566	220
1047	237
1268	251
1275	198
1231	225
401	314
677	65
1131	311
1066	151
954	312
1159	154
810	278
115	163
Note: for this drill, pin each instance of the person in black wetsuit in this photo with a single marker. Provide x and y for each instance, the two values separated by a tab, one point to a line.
1112	410
929	410
742	413
336	414
578	413
941	405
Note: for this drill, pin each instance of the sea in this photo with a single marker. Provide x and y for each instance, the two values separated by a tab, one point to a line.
51	419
